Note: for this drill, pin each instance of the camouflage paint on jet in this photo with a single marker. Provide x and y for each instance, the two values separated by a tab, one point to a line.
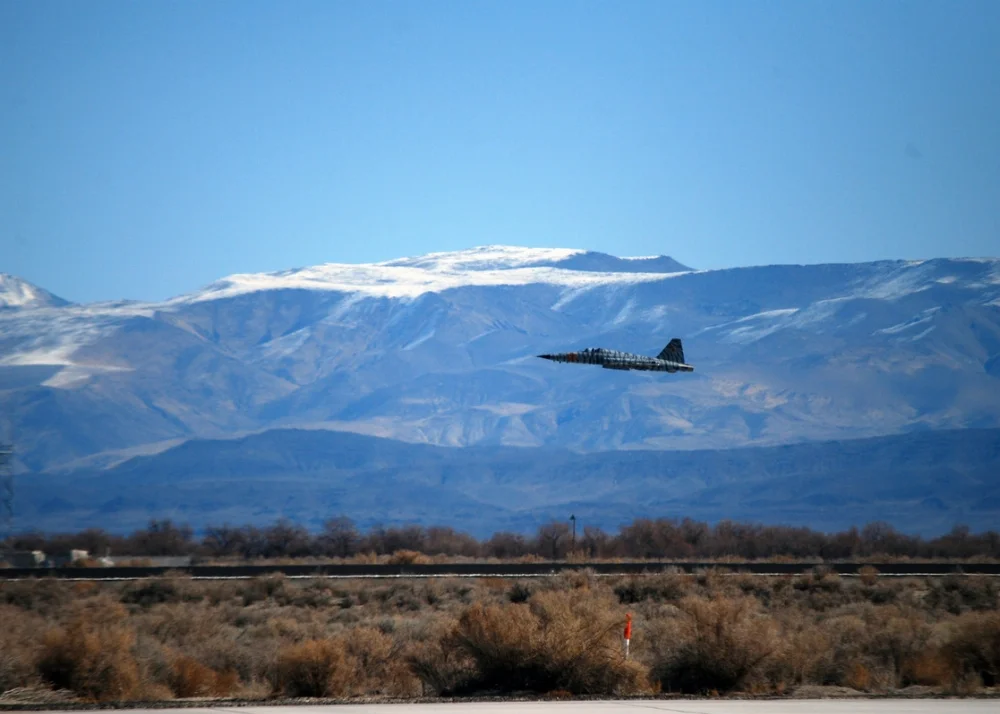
671	359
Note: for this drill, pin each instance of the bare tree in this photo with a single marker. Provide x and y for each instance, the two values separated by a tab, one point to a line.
340	537
553	540
224	540
506	546
162	538
285	539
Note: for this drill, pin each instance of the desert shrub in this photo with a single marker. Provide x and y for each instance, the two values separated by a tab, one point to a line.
781	584
757	586
837	662
881	594
820	578
858	675
18	647
314	594
582	579
895	640
287	627
227	638
559	640
361	661
803	658
408	557
459	591
712	579
431	593
440	667
866	648
493	584
154	661
711	645
85	588
263	588
379	667
822	592
406	600
219	592
398	637
178	624
92	654
930	668
44	596
868	574
519	592
191	678
252	656
657	588
147	593
960	593
316	668
972	648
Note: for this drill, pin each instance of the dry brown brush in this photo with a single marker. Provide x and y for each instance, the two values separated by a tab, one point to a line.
363	661
92	654
556	641
972	650
711	645
707	632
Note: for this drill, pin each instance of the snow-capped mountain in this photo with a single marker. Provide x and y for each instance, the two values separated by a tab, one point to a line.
440	349
18	293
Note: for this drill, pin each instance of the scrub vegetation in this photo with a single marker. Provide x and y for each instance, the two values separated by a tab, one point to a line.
711	632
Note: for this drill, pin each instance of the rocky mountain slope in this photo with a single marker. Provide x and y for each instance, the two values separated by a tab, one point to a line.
920	482
439	349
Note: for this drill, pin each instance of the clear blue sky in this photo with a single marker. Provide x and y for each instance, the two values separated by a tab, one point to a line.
151	147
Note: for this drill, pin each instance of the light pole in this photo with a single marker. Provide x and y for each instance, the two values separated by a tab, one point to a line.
572	547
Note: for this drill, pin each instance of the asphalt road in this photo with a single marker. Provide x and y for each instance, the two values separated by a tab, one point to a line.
785	706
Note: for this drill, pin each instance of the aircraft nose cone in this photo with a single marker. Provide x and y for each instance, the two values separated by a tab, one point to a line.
545	356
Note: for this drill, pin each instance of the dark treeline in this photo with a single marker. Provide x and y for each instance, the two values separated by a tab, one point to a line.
643	538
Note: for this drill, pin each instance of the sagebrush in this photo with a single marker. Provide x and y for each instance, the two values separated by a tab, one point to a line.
708	632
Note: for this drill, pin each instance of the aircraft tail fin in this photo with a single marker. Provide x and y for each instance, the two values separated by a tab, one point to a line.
673	352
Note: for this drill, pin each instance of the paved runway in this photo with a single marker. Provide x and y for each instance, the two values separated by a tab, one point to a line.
784	706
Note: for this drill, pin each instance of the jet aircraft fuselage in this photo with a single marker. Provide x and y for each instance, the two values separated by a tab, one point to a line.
671	359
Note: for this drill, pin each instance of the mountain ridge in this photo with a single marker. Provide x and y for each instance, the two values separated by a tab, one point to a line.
922	482
440	349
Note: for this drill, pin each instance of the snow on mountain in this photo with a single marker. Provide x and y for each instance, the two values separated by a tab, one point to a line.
18	293
435	272
489	257
49	335
502	257
440	349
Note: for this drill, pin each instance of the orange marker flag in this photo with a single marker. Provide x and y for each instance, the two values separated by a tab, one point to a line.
628	626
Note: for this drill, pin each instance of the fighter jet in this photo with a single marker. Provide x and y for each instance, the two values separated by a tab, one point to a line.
671	359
